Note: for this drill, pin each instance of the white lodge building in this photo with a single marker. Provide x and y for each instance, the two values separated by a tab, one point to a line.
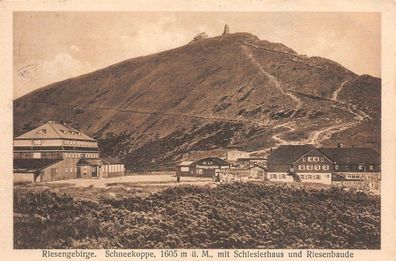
54	151
301	163
345	167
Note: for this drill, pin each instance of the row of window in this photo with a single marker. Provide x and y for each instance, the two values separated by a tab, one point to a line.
114	168
79	143
313	167
84	169
278	176
317	177
313	159
348	167
77	155
70	143
70	132
37	155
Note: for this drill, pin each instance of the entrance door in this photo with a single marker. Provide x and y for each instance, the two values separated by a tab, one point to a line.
94	171
53	174
79	172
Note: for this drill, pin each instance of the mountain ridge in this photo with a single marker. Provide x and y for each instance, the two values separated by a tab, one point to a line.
232	90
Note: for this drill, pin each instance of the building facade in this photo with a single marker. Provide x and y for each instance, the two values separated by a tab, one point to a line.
53	152
358	168
206	167
344	167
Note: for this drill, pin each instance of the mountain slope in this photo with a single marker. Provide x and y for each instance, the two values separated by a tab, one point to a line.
228	91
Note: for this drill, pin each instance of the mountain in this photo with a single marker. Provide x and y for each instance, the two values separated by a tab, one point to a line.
230	91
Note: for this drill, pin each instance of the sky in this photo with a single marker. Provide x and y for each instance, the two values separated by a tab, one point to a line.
53	46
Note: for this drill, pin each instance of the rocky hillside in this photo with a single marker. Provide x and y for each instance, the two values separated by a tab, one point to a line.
233	90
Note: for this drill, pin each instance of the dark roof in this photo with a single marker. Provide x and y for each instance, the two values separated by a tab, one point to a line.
111	161
83	161
287	154
258	166
256	158
337	177
351	155
216	160
33	165
278	168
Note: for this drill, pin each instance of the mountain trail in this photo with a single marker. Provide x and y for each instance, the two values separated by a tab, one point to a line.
269	76
337	91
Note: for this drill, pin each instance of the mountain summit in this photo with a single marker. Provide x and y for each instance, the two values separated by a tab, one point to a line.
233	90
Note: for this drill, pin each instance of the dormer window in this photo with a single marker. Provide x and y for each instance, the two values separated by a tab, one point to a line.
42	131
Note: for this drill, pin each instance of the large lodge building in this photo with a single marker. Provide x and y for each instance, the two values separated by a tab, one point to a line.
55	151
343	167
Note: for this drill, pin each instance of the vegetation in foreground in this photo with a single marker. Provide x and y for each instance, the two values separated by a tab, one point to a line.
228	216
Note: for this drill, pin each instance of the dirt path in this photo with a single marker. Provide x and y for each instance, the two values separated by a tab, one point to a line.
337	91
272	79
316	137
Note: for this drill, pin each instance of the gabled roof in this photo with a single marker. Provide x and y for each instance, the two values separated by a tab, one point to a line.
337	177
186	163
252	158
216	160
351	155
91	162
287	154
109	161
257	166
33	165
52	130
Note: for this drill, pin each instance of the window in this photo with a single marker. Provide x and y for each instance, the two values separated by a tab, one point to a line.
316	159
36	155
346	167
309	176
283	176
310	159
37	142
42	131
273	176
325	167
371	167
301	167
360	166
336	167
317	167
322	159
302	176
317	176
309	167
353	176
304	159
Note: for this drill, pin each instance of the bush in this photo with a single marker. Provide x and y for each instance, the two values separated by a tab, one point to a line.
228	216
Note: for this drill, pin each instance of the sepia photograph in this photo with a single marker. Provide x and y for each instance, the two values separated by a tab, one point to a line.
196	130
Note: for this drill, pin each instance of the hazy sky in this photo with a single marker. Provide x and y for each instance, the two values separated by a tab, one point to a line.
53	46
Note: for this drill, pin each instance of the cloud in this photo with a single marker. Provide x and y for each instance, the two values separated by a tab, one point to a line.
40	73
